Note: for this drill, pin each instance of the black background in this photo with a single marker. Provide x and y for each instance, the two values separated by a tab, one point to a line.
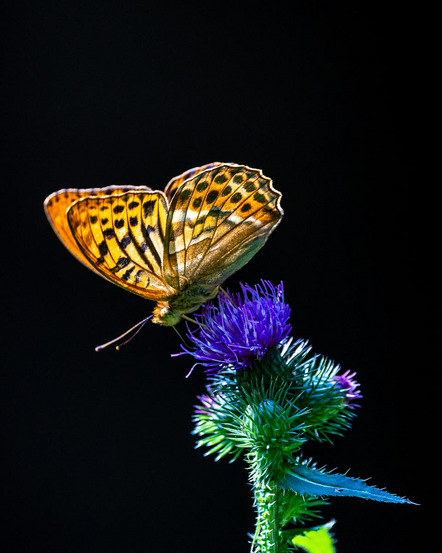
97	452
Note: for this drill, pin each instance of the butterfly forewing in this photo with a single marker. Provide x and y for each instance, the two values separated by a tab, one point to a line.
217	221
57	204
122	236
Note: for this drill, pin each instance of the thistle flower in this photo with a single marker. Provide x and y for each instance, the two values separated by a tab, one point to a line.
241	328
347	383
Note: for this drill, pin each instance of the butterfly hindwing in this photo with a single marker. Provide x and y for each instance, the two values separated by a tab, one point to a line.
122	236
218	220
57	204
173	185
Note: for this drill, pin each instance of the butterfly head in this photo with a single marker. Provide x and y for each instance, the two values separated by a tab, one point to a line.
164	315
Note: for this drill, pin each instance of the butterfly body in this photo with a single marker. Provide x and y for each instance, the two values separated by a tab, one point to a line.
169	313
174	247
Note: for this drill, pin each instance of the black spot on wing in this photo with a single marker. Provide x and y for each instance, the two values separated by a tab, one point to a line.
102	246
212	196
260	198
214	211
148	207
125	241
123	262
202	185
196	203
127	273
185	195
138	275
109	233
249	186
221	179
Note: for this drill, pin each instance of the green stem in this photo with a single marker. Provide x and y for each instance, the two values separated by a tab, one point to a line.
267	537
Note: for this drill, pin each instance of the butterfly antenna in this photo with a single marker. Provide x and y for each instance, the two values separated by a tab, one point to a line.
138	327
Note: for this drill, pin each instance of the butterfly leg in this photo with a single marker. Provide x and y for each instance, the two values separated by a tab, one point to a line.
183	316
227	295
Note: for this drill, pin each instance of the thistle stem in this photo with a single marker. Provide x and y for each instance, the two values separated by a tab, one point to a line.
267	534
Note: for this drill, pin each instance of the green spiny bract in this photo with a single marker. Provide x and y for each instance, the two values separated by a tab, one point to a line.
267	411
267	396
299	391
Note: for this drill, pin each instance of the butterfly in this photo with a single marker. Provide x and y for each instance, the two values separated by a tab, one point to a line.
175	247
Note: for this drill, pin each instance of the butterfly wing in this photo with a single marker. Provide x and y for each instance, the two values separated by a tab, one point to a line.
217	221
122	237
173	185
57	204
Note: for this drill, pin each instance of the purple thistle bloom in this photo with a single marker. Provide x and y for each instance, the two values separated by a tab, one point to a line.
241	328
349	386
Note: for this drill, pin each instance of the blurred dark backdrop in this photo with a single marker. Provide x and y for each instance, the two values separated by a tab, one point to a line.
97	452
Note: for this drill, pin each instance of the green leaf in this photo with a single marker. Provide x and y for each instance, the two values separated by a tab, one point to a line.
312	481
317	540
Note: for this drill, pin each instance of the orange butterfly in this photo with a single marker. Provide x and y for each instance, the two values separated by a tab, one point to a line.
174	247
